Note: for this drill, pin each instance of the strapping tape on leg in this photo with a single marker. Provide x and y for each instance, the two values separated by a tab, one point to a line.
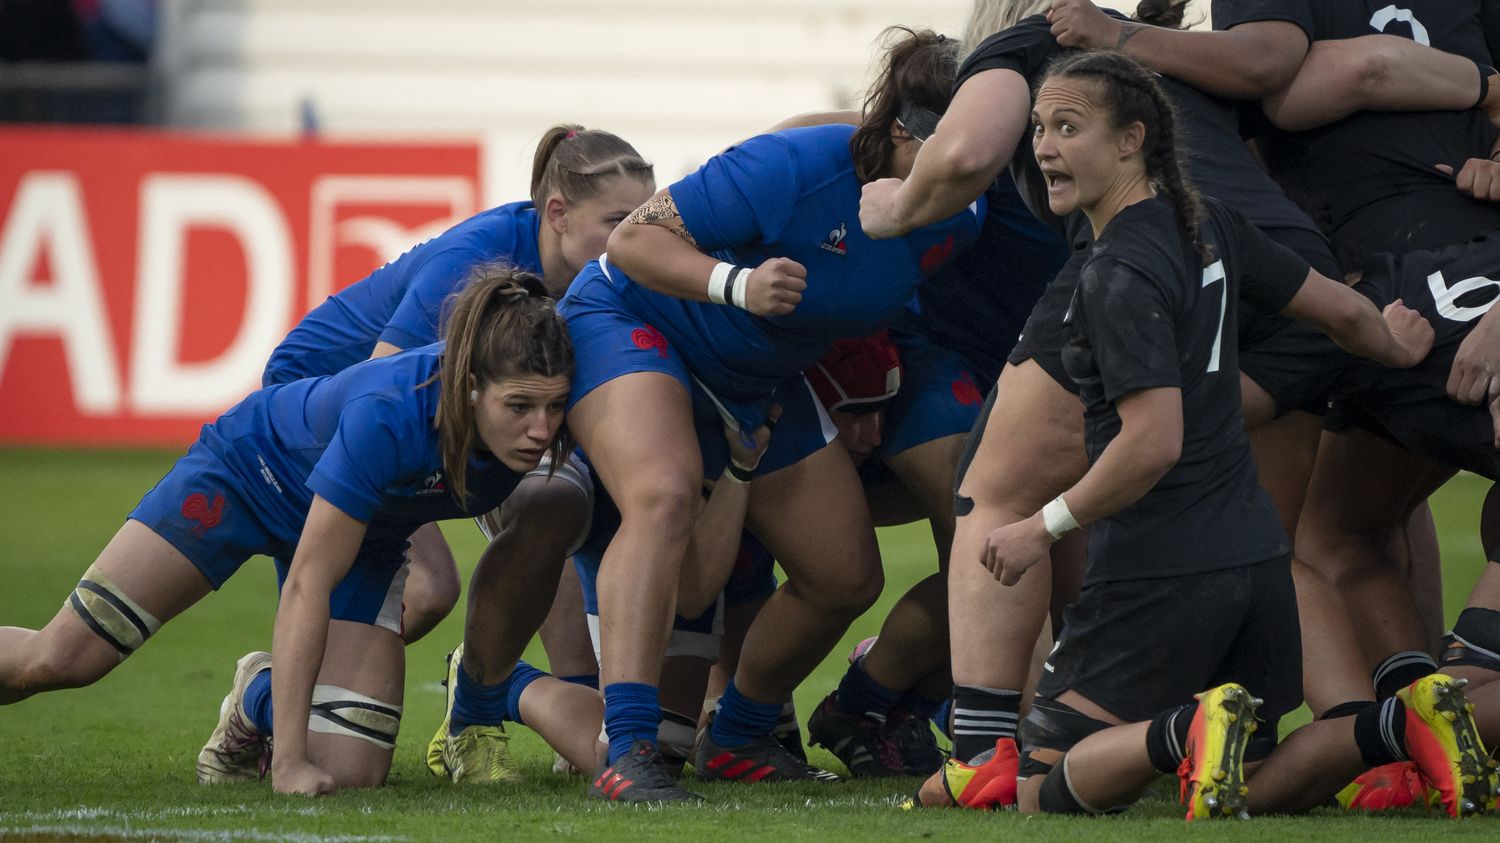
338	711
1052	725
1474	641
111	614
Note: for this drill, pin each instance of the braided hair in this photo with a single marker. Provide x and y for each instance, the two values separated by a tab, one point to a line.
1131	94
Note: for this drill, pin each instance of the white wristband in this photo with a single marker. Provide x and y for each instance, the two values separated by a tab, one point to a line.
1057	518
740	283
718	283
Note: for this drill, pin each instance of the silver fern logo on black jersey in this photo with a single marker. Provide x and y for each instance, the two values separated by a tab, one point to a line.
834	242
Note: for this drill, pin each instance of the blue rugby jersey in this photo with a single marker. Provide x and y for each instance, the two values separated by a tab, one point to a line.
363	439
791	194
401	302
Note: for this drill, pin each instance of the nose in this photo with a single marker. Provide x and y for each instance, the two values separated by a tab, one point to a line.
542	425
1043	148
872	429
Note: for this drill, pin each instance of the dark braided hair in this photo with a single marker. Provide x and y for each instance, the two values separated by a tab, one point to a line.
1131	93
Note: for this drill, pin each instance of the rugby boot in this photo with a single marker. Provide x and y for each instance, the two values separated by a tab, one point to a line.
1385	788
480	755
639	777
916	745
1442	740
867	749
477	754
986	782
439	742
237	751
1212	774
762	760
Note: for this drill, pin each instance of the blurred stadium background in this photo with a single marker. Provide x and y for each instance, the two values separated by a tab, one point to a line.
182	179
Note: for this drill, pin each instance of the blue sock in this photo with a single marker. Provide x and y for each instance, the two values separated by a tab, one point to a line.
490	705
257	701
740	720
920	705
941	717
632	712
520	678
587	680
859	694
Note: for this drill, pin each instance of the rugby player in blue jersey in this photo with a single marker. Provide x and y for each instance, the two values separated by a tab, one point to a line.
583	182
329	476
671	338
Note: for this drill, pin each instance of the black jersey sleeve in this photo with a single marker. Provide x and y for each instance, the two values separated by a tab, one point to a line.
1270	273
1130	322
1025	48
1489	18
1228	14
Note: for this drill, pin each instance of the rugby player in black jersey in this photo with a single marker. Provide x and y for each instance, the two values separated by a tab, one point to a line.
1031	443
1188	577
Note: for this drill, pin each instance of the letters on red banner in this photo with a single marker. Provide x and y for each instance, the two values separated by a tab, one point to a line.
145	277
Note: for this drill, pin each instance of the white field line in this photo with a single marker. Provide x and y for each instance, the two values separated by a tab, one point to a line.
126	832
86	812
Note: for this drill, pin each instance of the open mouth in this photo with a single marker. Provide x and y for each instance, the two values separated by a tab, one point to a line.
1057	181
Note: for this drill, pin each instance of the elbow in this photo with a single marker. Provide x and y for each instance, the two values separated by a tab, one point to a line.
1159	459
972	164
622	245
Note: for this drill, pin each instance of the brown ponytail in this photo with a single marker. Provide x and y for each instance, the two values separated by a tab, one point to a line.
500	324
575	163
1131	94
918	70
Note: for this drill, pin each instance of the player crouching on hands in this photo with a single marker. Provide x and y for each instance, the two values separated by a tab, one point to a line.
328	476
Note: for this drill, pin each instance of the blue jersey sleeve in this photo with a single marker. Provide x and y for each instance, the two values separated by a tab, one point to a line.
363	458
415	321
742	195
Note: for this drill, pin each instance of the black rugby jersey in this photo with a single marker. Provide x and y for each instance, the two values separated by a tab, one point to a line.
1149	313
1453	287
1370	179
1216	158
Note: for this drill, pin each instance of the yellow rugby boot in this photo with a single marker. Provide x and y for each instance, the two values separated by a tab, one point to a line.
988	784
1442	740
1212	773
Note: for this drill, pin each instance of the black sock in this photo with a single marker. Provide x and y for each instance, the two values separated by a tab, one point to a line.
1380	732
980	717
1167	735
1401	669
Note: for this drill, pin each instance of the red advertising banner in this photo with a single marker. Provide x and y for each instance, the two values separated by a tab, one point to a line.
145	277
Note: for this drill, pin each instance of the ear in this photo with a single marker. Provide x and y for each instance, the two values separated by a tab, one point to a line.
898	133
555	212
1131	139
473	384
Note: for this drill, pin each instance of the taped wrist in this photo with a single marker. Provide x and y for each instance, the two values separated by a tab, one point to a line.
1485	72
726	284
110	614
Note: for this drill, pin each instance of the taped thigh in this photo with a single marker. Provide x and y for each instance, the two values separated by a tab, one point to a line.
112	615
339	711
1052	725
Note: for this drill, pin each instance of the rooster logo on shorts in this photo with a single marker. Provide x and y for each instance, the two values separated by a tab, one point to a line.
648	338
196	508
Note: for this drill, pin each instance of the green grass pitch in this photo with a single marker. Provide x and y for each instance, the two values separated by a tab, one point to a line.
115	761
